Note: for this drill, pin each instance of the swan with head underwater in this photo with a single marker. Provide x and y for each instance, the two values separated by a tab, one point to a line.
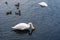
23	26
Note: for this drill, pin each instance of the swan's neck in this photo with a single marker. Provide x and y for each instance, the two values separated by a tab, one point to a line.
31	26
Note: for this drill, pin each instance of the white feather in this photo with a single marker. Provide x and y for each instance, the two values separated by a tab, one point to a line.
21	26
43	4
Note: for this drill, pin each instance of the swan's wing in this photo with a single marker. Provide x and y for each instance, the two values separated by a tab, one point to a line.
43	4
22	26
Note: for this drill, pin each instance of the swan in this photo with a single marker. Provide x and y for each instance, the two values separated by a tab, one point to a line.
43	4
23	26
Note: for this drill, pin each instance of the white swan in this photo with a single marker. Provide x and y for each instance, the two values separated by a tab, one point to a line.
23	26
43	4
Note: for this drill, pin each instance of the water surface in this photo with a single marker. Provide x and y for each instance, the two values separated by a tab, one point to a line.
46	20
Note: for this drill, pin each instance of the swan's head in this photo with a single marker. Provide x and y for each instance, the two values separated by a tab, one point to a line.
31	25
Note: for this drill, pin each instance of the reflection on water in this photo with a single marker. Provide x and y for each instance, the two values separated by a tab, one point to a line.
23	31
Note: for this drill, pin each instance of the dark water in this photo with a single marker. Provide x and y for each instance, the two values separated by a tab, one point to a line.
46	20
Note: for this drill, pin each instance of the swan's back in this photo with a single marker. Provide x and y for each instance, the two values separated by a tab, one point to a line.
43	4
21	26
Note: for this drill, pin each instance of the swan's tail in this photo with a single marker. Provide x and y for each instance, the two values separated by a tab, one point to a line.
13	27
